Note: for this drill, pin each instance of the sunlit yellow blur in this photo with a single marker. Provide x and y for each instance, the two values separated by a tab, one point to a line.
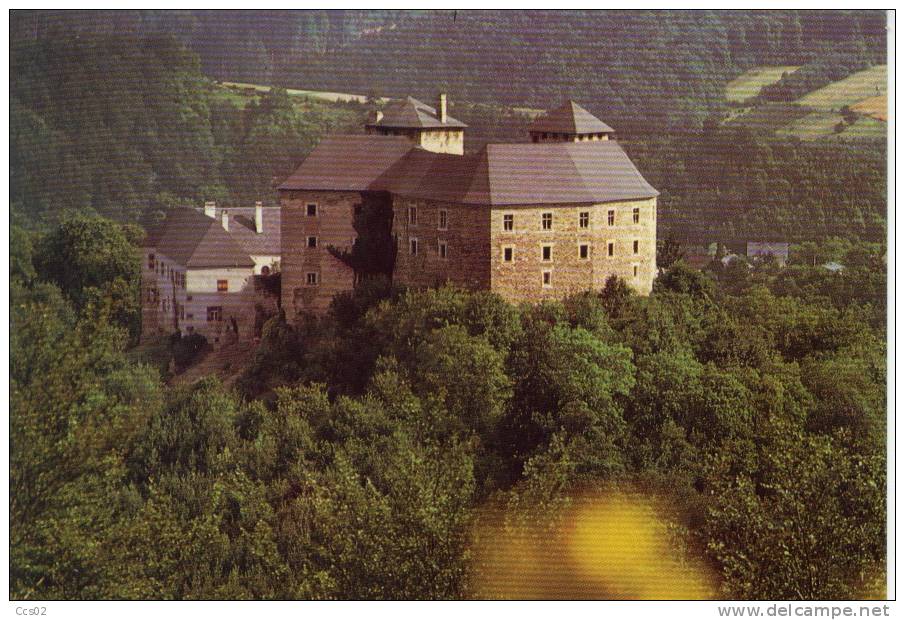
612	545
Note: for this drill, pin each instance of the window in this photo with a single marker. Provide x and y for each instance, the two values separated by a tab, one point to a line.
214	314
610	249
222	286
413	216
546	252
635	246
610	218
508	222
548	279
312	242
150	261
181	311
635	270
311	209
265	270
583	251
442	219
636	215
441	249
546	220
413	246
584	219
508	254
190	316
311	278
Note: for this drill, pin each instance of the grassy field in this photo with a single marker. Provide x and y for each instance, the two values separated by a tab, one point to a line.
749	83
314	94
856	87
769	117
819	125
874	107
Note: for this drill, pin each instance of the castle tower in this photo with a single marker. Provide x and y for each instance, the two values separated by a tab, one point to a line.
432	129
569	123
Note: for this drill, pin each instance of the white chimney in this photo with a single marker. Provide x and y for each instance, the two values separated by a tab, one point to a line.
259	217
441	108
225	220
210	209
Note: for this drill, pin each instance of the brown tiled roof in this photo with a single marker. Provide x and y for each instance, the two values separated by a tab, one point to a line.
500	174
242	230
411	113
350	163
569	118
194	240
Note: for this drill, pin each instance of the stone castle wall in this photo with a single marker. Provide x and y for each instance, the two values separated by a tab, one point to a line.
522	279
467	239
332	226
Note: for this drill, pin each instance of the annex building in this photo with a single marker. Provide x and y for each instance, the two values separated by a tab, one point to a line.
543	219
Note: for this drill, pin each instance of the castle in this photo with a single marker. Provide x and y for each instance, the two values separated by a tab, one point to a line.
538	220
531	221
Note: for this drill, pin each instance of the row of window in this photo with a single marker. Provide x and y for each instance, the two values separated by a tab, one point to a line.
584	219
176	277
584	251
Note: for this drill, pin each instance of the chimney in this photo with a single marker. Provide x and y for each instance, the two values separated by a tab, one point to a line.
259	217
441	108
210	209
225	220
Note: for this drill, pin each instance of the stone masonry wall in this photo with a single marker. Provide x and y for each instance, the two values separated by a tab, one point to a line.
467	238
522	279
332	226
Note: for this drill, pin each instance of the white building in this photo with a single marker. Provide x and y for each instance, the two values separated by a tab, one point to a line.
199	269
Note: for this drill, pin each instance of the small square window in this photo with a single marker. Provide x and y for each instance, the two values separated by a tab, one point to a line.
546	221
312	242
222	286
442	249
636	215
311	278
413	246
584	219
546	252
610	249
508	254
442	219
610	218
548	279
508	222
311	209
583	251
635	246
413	215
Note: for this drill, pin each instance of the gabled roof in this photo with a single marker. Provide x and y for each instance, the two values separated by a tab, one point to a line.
411	113
500	174
194	240
779	249
569	118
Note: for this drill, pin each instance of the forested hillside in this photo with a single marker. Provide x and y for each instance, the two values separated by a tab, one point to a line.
118	113
418	444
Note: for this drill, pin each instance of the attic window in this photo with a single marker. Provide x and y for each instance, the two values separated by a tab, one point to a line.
311	209
636	215
547	221
222	286
584	219
508	222
610	218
